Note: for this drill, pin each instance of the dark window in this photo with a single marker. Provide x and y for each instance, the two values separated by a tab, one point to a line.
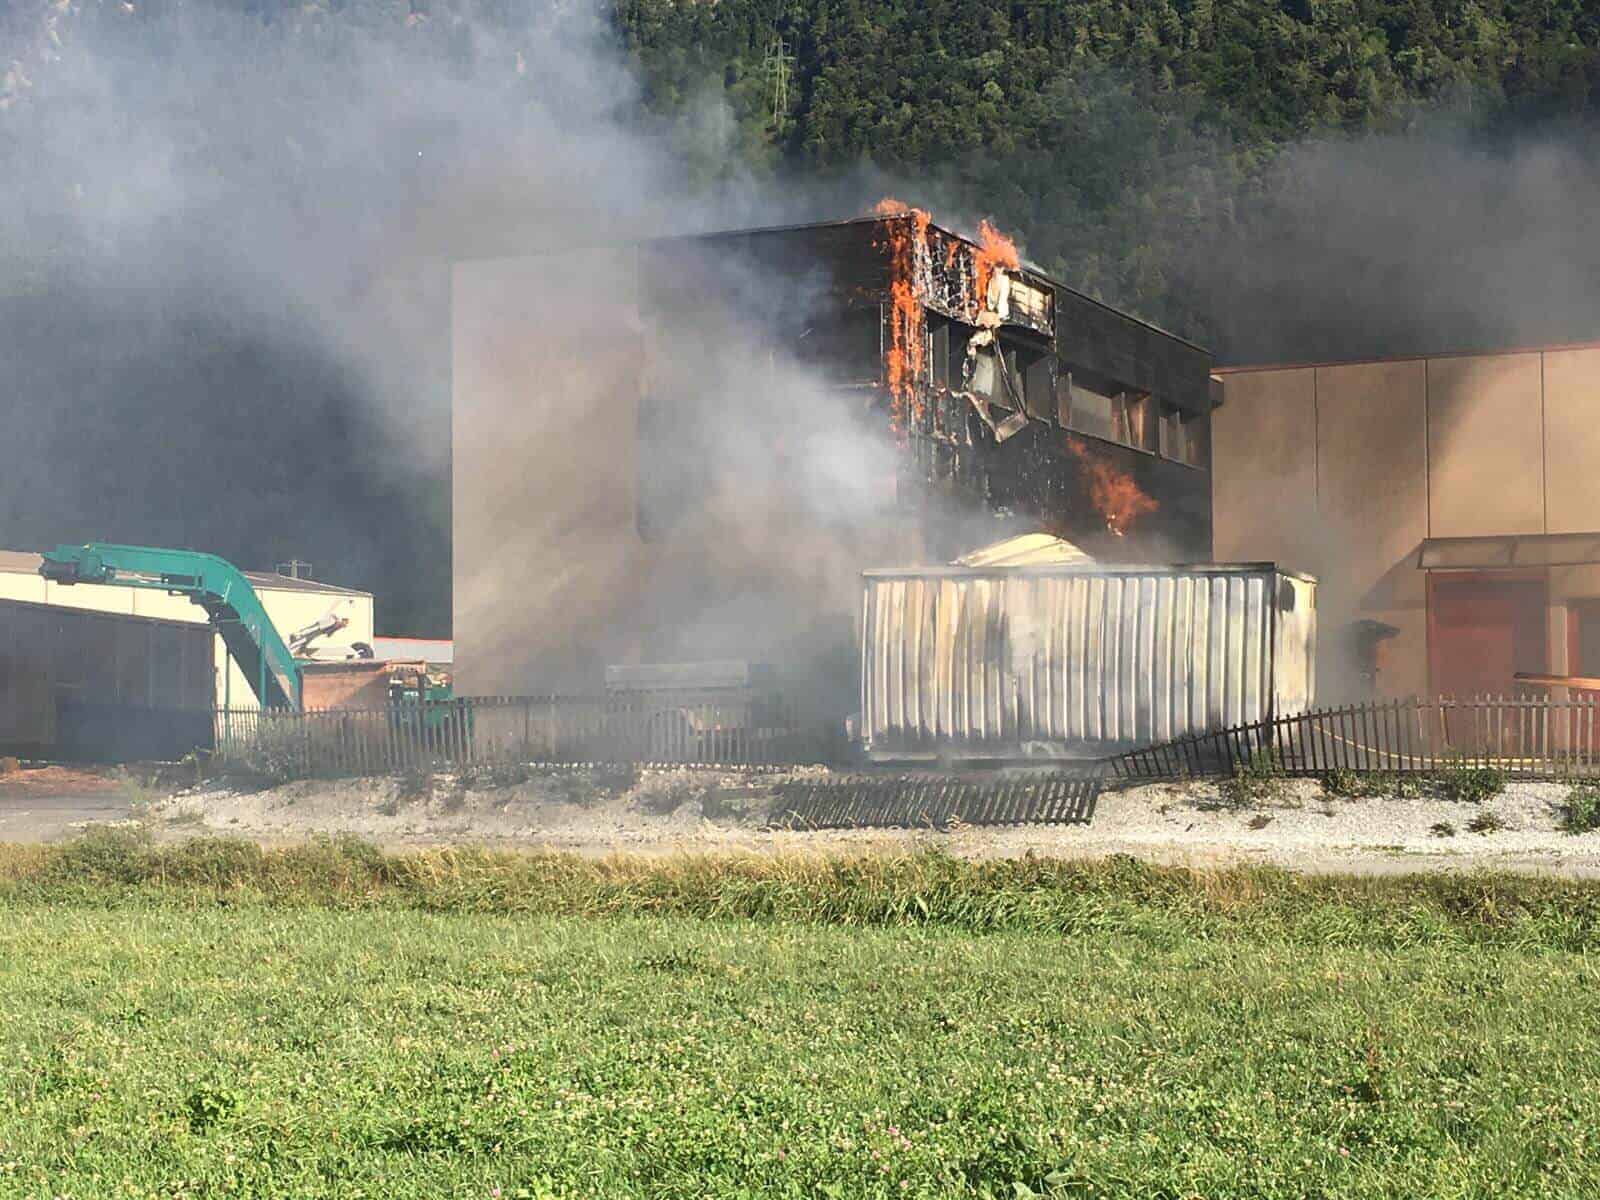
1091	410
842	347
1136	421
1173	444
1036	376
939	353
1197	439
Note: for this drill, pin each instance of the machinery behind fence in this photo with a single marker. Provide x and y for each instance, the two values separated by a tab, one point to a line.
1538	738
681	728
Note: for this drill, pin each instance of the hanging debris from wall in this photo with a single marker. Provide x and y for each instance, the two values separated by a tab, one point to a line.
969	283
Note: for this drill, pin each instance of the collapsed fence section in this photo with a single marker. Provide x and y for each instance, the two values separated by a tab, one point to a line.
681	729
1530	737
941	801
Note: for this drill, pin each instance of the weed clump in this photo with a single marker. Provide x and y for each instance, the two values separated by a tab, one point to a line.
1581	812
414	783
1485	822
274	754
1442	829
477	777
586	785
1350	785
667	798
1463	784
1255	782
103	854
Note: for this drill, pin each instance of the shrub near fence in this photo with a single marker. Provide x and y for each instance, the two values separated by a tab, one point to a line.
682	728
1537	738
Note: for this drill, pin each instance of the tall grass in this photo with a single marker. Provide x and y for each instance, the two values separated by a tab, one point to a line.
1029	894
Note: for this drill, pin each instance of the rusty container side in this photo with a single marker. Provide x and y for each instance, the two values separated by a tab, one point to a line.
1067	661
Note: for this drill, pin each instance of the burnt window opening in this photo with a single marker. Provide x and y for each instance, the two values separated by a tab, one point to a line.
1038	375
937	366
1183	436
843	347
1172	434
1136	423
1088	407
1012	375
1197	440
1029	303
1085	404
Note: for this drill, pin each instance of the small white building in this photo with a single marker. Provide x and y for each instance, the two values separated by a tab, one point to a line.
291	603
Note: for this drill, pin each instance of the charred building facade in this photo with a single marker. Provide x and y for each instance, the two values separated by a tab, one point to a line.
690	448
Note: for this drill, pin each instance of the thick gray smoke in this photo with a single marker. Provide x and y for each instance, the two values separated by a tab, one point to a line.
225	240
229	327
1429	241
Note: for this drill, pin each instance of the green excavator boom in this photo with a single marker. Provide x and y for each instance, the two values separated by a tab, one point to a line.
213	583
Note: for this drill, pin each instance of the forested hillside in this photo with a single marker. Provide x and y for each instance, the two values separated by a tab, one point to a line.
1140	148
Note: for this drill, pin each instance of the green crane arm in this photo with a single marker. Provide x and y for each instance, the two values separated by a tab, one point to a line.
215	584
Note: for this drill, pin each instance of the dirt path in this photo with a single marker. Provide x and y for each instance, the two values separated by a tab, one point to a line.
45	804
678	811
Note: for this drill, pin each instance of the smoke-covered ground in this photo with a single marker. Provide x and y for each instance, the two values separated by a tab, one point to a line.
225	236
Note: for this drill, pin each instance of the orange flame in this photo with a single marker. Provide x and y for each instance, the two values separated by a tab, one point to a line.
907	323
995	249
1114	494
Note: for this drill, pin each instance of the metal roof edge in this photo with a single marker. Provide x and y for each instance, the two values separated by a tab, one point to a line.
112	614
267	581
837	223
1316	364
949	572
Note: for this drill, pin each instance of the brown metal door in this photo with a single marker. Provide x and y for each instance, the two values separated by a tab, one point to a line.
1482	630
1583	658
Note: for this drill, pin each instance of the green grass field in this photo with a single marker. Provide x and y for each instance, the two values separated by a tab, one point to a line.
219	1021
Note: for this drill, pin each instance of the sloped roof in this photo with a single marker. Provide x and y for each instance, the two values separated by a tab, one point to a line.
26	562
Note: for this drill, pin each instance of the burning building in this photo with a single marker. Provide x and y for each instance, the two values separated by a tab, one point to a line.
690	448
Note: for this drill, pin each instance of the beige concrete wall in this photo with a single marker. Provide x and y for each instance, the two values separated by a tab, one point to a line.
1572	440
32	587
1263	468
1373	497
1485	446
1448	447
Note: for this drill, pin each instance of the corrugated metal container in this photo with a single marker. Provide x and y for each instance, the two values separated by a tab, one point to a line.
1072	661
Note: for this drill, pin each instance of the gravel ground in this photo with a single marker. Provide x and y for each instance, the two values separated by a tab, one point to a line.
673	811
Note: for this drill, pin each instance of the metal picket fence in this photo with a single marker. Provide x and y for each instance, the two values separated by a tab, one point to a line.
681	729
923	801
1531	737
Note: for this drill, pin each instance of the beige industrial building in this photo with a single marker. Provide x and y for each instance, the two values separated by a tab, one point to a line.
291	603
1450	507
